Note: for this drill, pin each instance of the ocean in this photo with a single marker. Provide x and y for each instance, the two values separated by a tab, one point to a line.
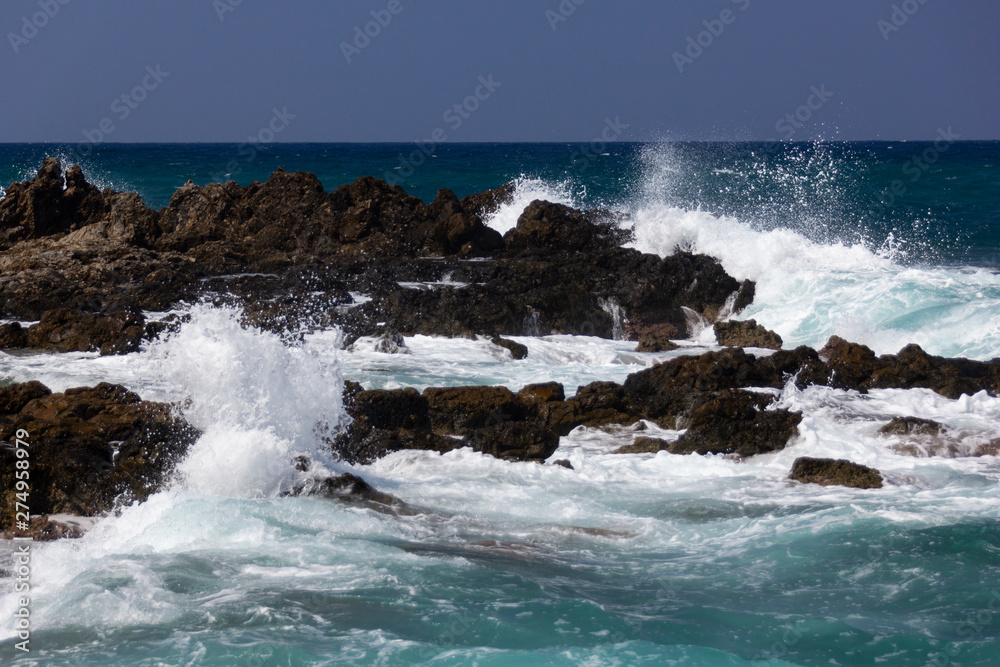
626	559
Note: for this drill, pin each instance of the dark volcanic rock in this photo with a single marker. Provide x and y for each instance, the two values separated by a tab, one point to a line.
67	330
654	343
746	334
460	410
12	336
517	350
351	489
515	441
835	471
91	448
737	422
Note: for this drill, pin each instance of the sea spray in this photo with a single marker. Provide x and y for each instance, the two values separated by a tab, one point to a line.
260	402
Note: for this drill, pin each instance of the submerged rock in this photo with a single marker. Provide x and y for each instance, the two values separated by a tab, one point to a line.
835	472
911	426
644	445
351	489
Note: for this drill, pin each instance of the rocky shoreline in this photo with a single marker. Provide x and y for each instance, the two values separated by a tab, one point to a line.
85	264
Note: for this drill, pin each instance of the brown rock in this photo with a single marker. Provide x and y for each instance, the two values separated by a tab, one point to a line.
737	422
643	445
517	350
746	334
835	472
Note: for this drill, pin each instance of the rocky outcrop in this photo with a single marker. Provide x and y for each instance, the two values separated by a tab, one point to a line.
68	330
90	448
559	270
746	334
835	472
737	422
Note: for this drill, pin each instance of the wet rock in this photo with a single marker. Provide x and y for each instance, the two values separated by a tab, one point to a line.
354	490
746	334
460	410
835	472
643	445
91	448
565	463
737	422
515	441
911	426
517	350
68	330
13	336
653	343
391	342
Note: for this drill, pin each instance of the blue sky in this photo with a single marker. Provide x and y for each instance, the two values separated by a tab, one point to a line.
557	70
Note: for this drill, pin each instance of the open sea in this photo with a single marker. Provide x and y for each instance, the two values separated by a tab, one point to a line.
698	560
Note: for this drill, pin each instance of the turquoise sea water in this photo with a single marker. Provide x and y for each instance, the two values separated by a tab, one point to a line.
686	560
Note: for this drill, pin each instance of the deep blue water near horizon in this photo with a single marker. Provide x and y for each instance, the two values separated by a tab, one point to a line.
626	559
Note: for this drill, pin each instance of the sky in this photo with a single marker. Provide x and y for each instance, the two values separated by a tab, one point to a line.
498	70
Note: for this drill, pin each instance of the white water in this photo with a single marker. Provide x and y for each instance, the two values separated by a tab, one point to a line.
808	290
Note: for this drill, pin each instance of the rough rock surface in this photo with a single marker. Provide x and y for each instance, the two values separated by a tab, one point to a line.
746	334
737	422
835	471
290	252
91	448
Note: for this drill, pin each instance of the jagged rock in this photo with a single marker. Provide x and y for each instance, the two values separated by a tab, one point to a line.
517	350
911	426
643	445
87	250
91	448
836	472
485	204
737	422
746	334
